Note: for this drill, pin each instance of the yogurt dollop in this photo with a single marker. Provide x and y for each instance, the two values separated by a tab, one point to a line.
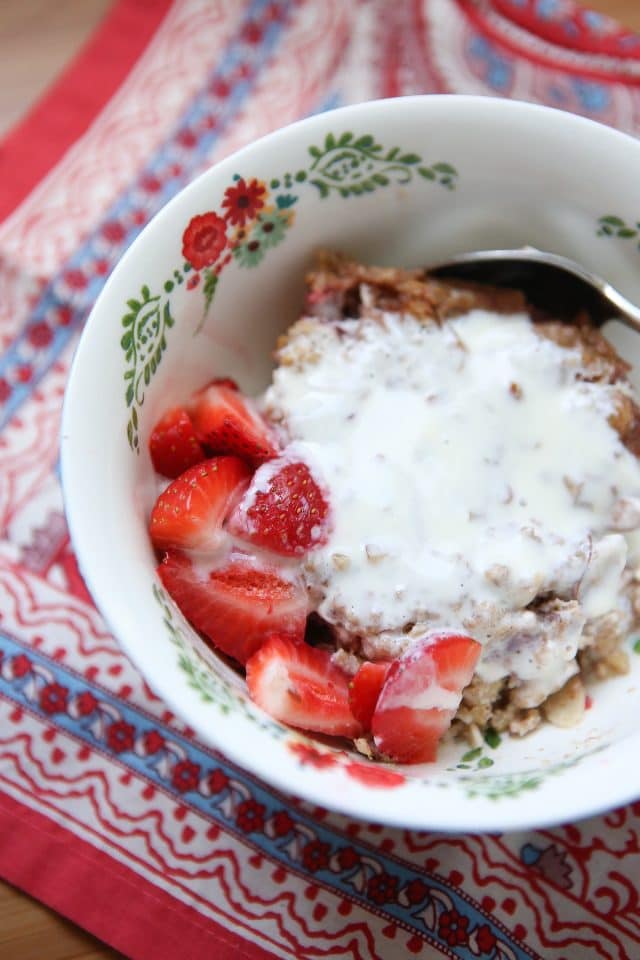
470	471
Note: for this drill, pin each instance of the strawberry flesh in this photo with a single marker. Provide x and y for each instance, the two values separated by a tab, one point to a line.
189	514
284	511
225	422
225	382
364	690
173	444
421	695
236	606
301	686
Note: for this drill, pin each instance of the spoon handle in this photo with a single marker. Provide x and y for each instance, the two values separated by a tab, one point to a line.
627	312
509	267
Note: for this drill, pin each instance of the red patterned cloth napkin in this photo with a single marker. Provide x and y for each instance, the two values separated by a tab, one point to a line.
102	810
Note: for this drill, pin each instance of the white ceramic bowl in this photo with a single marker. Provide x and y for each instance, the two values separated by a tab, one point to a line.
399	182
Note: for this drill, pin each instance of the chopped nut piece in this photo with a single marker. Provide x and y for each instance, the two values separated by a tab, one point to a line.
374	553
363	746
566	707
497	574
340	561
618	663
515	390
575	489
530	531
625	515
346	661
525	722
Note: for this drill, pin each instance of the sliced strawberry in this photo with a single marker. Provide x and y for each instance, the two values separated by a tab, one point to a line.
364	690
235	606
191	511
225	422
421	695
173	444
284	510
300	685
225	382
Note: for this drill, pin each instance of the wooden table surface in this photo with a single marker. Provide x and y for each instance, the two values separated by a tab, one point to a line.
37	37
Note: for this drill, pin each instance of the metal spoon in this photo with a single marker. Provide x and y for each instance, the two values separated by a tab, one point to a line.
550	282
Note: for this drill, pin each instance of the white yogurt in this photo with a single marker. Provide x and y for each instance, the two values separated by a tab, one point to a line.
469	470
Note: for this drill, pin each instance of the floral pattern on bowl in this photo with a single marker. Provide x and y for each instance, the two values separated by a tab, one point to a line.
254	217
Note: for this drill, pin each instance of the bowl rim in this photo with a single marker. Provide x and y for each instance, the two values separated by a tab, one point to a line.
580	806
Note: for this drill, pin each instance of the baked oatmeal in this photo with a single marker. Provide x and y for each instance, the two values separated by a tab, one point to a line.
483	478
448	482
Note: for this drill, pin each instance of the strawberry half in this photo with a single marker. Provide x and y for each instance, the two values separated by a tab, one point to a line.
225	422
364	690
191	511
300	685
173	444
421	695
235	606
284	510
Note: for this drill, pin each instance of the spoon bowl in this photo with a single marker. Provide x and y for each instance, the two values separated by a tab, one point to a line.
552	283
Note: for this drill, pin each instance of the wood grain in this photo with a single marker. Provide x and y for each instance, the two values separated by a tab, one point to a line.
29	931
37	38
626	11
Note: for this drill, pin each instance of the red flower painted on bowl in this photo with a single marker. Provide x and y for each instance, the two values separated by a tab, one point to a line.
204	240
310	755
243	201
372	776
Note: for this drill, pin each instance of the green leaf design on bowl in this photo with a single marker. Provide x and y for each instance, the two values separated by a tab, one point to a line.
144	342
353	166
614	226
346	165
